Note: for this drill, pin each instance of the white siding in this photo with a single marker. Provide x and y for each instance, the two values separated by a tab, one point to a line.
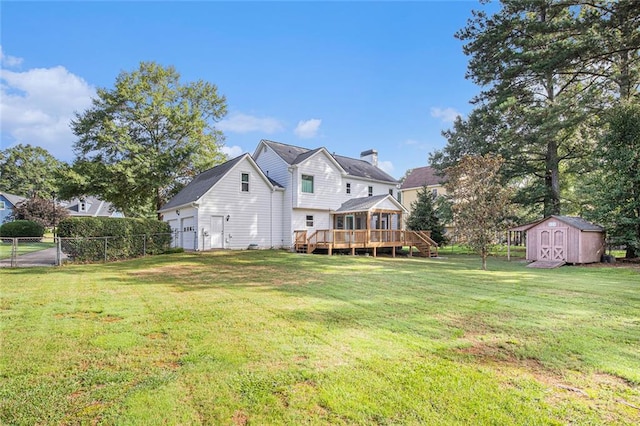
360	188
274	166
321	220
327	183
251	219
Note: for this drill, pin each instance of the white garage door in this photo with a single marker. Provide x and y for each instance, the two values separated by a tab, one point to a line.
188	228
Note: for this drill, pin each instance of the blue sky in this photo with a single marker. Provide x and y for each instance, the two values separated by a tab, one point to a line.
348	76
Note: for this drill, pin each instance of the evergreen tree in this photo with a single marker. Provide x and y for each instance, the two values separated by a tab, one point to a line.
613	190
424	217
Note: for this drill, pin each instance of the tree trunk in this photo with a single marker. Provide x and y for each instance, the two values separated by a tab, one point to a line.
158	203
552	180
484	259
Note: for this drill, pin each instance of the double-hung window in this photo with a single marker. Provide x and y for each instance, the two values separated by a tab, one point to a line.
348	188
371	191
309	221
307	184
245	182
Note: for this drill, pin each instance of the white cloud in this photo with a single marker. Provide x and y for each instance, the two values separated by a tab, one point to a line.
447	115
37	105
386	166
243	123
8	60
232	151
308	129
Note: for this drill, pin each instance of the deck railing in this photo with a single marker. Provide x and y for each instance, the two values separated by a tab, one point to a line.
336	238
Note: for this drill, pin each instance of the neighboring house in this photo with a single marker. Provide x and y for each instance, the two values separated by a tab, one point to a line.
563	239
90	206
7	204
283	195
415	180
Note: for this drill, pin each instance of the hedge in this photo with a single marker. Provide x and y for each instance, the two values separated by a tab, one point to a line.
83	238
22	228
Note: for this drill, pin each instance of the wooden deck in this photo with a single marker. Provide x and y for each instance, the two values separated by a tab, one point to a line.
334	239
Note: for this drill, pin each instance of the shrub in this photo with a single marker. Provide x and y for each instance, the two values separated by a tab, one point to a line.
22	228
87	237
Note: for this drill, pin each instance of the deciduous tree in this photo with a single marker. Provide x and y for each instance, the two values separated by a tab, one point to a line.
43	211
480	202
145	138
28	171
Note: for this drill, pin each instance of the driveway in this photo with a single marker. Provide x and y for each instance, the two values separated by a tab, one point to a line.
45	257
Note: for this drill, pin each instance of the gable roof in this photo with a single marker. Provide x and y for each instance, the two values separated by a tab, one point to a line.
366	203
573	221
95	207
422	176
12	198
207	179
354	167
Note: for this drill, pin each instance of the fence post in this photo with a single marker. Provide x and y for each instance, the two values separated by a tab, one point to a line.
144	245
58	251
105	249
14	252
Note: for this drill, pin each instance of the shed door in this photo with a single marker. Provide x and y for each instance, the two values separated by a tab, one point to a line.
188	233
552	244
217	232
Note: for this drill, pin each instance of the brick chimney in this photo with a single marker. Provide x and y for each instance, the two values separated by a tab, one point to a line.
370	156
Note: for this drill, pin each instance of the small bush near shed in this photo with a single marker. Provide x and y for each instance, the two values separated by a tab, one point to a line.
87	238
22	228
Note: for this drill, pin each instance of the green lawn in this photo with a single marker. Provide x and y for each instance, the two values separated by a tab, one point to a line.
262	337
23	248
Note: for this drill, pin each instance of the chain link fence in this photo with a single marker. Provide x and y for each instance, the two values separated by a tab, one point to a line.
50	251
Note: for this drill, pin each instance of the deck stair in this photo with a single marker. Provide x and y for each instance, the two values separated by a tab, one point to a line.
425	245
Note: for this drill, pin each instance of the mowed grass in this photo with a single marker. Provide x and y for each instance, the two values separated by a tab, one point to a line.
268	337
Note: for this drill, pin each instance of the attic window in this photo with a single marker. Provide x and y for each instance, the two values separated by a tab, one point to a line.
2	206
83	206
552	224
348	188
245	182
371	191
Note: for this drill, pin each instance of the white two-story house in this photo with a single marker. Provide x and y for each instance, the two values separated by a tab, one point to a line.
283	193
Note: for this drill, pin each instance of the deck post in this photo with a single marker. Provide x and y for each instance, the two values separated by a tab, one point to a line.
410	250
353	251
393	251
375	251
330	249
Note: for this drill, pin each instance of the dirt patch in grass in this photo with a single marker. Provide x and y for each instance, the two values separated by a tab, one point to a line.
240	418
189	275
89	315
598	391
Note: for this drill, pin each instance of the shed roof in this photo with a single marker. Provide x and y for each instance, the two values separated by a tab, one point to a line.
573	221
422	176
